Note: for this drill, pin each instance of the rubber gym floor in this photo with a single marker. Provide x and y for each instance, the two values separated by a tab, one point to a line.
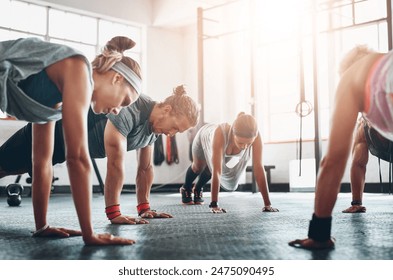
243	233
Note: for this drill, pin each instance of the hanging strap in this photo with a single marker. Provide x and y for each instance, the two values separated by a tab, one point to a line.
300	140
159	156
303	109
168	150
172	152
379	168
175	153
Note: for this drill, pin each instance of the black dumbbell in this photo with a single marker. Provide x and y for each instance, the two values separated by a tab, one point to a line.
14	192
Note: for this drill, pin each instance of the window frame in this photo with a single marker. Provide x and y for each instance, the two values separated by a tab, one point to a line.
8	31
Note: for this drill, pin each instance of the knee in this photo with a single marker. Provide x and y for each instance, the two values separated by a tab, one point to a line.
197	168
328	163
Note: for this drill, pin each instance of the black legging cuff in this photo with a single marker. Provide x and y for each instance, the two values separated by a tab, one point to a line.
204	177
320	228
190	177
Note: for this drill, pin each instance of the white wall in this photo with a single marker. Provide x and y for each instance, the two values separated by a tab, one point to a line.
138	11
280	155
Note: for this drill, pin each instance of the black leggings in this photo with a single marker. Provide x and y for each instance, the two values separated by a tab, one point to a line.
16	152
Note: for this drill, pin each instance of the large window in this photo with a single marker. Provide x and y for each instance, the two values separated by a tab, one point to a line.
285	44
289	51
84	32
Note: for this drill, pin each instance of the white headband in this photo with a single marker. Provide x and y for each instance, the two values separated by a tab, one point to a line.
129	75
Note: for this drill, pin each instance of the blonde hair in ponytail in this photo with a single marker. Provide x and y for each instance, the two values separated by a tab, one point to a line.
113	52
183	105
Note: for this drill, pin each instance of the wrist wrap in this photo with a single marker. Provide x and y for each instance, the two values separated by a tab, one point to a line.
112	211
320	228
213	204
143	207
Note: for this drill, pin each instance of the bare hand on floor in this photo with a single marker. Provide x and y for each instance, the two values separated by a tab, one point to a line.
151	214
58	232
106	239
311	244
123	219
218	210
269	209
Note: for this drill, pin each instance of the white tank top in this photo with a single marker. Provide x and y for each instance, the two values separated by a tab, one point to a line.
233	166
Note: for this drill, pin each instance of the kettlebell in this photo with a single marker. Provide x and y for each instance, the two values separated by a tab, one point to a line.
14	192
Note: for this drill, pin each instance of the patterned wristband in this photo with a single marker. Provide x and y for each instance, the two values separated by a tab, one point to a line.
112	211
39	231
142	208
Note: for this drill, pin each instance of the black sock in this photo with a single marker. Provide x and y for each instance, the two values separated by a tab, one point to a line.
190	177
203	179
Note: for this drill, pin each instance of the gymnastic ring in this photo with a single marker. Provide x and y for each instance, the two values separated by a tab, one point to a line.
304	108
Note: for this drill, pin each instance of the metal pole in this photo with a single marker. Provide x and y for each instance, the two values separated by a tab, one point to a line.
389	23
200	65
254	188
317	141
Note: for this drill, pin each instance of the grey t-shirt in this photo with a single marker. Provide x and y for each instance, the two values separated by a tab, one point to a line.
20	59
132	122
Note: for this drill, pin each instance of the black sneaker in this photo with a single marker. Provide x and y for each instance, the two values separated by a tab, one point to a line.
198	196
186	197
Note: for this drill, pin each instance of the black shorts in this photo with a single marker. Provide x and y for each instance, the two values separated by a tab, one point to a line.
16	152
378	145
